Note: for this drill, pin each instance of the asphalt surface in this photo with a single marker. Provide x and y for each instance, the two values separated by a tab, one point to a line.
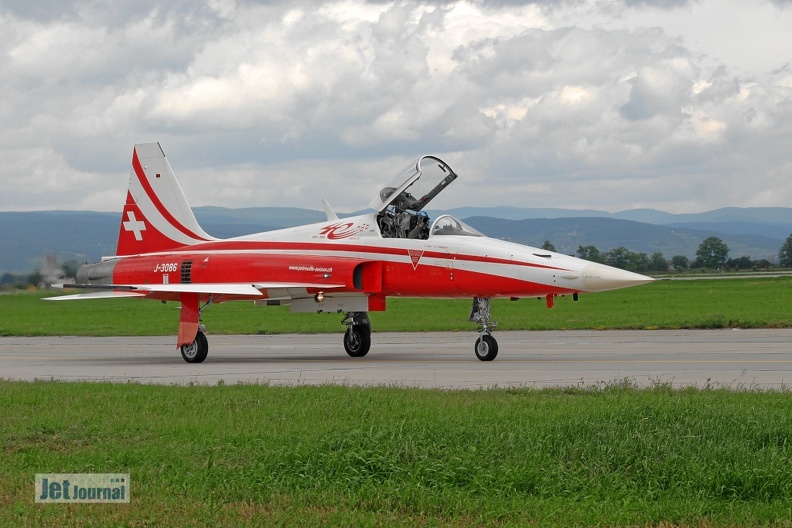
751	359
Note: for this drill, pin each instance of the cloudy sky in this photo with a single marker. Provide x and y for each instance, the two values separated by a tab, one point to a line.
678	105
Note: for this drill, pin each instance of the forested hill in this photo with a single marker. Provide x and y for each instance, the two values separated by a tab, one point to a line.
25	237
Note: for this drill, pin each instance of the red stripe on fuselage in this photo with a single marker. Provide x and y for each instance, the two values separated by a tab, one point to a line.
252	246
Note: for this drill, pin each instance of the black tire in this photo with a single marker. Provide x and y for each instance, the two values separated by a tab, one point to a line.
486	348
196	351
357	340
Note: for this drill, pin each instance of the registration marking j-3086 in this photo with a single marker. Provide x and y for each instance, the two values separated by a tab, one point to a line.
165	267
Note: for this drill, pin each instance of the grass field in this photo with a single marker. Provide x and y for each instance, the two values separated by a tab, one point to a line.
343	456
745	303
255	455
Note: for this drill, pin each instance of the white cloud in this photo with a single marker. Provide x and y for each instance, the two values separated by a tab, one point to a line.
587	104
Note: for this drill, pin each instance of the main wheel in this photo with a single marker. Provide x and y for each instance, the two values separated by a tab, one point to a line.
486	348
357	340
196	351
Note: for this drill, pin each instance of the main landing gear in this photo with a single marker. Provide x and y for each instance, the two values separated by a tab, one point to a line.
486	346
196	351
357	338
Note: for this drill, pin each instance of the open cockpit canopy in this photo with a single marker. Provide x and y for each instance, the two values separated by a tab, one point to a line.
400	205
415	186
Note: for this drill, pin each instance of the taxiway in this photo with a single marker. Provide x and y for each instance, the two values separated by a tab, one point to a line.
756	359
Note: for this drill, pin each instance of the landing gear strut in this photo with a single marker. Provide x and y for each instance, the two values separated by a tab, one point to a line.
190	319
357	338
486	346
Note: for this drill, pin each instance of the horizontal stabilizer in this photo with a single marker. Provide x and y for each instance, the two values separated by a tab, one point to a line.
104	294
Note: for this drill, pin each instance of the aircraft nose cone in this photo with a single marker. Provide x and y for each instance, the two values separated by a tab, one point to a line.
599	277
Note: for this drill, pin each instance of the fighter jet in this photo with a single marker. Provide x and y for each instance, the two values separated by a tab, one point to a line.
348	266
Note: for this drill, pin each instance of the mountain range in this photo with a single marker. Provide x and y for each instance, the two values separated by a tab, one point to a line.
759	232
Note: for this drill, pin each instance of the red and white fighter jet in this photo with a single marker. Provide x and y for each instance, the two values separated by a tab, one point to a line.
350	265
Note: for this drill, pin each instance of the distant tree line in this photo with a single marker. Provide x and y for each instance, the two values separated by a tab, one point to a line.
712	254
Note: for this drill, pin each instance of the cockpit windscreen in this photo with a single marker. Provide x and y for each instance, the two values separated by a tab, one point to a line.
447	225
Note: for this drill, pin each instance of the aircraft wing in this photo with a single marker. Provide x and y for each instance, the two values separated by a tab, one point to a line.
209	288
111	291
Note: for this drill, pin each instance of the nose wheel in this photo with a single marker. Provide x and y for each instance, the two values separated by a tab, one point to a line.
486	346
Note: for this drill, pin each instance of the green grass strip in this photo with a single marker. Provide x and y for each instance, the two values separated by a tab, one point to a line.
251	455
725	303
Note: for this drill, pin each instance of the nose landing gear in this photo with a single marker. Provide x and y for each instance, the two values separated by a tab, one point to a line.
486	346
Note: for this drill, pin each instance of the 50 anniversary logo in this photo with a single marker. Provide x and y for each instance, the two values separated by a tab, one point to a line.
343	230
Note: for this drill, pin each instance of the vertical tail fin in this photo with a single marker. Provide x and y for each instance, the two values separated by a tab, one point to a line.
156	215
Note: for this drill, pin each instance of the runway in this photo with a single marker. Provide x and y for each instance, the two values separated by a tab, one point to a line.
751	359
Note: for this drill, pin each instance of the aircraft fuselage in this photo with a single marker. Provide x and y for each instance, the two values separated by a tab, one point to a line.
355	260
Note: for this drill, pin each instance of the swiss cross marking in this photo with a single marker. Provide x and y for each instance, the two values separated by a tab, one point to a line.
133	224
415	256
